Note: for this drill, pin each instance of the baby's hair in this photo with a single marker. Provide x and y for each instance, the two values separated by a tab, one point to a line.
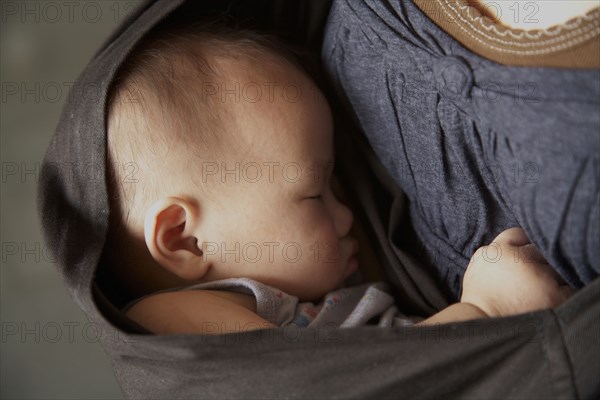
152	90
153	110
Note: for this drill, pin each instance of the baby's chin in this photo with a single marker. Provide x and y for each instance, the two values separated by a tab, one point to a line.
350	279
313	290
318	294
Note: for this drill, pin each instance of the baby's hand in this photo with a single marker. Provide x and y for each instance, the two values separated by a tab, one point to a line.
510	276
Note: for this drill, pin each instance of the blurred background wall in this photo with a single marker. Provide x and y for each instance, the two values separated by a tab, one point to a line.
48	349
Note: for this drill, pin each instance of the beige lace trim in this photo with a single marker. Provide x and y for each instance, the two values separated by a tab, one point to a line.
536	42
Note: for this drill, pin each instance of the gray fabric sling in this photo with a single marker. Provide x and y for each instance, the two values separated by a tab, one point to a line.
551	353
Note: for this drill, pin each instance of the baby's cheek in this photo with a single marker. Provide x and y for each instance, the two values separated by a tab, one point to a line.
314	236
325	249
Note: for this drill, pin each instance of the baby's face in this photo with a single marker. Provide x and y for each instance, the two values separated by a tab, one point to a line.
279	221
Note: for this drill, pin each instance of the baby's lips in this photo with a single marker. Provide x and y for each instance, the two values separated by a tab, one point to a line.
352	265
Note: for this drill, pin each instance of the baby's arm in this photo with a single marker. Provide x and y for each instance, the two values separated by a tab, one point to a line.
454	313
508	277
195	311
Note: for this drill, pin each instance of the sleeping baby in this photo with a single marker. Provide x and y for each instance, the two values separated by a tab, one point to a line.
224	215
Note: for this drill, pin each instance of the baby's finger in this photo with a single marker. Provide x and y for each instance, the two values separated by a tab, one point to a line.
552	272
545	270
529	253
512	236
566	291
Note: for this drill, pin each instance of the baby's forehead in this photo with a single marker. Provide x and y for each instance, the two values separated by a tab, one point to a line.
251	79
270	101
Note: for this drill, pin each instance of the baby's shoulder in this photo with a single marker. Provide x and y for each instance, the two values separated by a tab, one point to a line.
197	311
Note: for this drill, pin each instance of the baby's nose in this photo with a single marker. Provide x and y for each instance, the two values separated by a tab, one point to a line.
344	219
342	213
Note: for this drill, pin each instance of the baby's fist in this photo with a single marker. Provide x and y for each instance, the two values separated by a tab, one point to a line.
510	276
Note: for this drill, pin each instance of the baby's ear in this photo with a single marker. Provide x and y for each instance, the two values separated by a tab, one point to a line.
171	239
